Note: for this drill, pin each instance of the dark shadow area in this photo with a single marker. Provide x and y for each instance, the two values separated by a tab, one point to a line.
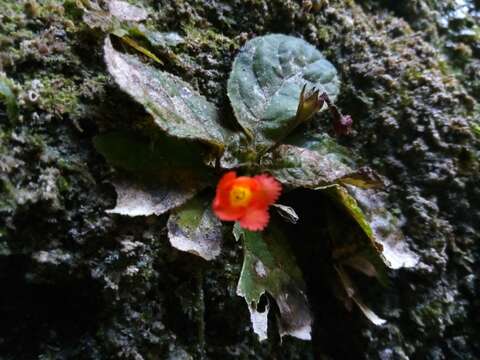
336	331
33	315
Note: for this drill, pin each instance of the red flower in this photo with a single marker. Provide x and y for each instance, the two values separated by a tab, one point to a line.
246	199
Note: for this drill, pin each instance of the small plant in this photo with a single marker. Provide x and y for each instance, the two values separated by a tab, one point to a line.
277	83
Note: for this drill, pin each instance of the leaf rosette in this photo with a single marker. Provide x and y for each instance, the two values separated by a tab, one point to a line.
271	92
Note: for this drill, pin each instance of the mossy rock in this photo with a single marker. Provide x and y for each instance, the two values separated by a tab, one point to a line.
81	283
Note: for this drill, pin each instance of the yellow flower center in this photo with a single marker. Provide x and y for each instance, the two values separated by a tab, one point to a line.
240	196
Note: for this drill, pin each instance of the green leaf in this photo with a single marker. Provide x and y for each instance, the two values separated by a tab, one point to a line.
476	128
348	202
156	38
350	246
324	145
287	213
270	267
385	228
133	152
195	229
163	174
238	152
352	293
144	198
129	41
312	160
8	98
379	226
266	81
296	167
174	105
364	178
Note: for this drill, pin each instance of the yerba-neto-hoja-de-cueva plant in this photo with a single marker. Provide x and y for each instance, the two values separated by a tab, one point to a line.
193	167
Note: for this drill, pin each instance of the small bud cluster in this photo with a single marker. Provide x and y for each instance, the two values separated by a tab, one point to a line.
312	102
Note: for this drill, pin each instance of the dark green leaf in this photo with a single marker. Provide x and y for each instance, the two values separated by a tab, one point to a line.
175	106
352	293
364	178
144	198
313	160
287	212
270	267
299	167
266	81
377	224
135	153
385	228
163	174
195	229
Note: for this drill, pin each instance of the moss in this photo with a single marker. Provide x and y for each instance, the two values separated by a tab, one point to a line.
57	95
476	128
63	184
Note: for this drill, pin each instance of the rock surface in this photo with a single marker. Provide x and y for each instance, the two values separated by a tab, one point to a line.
80	283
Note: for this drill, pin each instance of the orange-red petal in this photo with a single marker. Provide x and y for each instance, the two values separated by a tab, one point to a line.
226	180
221	203
255	219
270	188
265	190
228	213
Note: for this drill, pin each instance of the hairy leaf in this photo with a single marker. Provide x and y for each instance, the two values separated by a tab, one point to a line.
195	229
299	167
378	225
138	198
385	227
313	160
324	145
350	246
287	212
174	105
266	81
352	293
269	267
163	174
